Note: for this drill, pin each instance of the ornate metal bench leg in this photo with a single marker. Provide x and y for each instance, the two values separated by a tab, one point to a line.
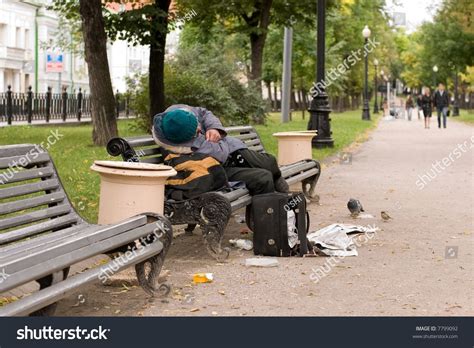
215	213
46	282
311	182
148	271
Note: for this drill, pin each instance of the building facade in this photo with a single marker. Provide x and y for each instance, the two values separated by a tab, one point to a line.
27	57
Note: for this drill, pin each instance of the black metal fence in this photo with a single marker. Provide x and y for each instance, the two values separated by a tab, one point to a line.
29	106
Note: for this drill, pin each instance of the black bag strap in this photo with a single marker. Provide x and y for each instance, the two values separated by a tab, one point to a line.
302	224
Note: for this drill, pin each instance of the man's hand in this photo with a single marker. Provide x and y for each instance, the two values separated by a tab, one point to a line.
213	135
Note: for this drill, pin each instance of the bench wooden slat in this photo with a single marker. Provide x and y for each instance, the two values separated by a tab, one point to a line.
58	291
16	161
258	148
151	151
87	236
16	150
298	169
233	195
56	264
27	174
288	166
245	136
239	129
59	222
136	142
33	216
29	243
10	207
302	176
48	238
241	202
27	189
154	160
252	142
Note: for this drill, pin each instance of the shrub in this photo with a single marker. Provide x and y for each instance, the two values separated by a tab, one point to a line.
199	79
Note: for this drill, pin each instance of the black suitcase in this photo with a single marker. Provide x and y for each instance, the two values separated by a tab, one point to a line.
267	218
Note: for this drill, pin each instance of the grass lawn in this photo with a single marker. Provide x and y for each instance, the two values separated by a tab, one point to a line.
346	127
74	153
466	116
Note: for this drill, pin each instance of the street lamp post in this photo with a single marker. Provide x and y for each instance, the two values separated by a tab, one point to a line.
319	107
382	96
435	70
455	103
376	107
365	108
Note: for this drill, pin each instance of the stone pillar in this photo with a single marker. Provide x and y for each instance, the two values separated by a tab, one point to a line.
16	81
3	88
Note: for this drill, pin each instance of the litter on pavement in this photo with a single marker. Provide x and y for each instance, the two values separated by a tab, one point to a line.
203	277
335	239
261	262
245	244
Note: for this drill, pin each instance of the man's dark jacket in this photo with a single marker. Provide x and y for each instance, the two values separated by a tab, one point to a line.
441	100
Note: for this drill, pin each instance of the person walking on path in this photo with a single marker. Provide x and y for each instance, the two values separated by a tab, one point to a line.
409	107
426	106
418	106
441	103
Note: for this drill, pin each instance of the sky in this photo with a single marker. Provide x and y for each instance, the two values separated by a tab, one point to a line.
417	11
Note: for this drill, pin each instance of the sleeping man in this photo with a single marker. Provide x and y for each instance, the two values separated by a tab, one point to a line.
184	129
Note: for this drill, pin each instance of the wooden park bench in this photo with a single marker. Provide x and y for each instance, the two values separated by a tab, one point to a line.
42	236
212	210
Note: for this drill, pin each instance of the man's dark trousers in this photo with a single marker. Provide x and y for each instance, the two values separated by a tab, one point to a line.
442	112
257	170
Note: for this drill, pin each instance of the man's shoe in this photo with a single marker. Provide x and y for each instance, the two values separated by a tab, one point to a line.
281	185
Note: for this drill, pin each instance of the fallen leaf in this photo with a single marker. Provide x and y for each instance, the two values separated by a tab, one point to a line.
194	310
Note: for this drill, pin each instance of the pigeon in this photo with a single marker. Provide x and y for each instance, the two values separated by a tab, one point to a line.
385	216
354	207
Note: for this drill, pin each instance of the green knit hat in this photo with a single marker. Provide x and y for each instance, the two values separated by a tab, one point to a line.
179	126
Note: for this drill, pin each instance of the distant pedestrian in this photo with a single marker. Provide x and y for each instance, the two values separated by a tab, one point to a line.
441	103
418	106
409	107
426	106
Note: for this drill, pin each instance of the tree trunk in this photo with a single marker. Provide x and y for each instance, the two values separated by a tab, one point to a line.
156	71
104	123
275	96
259	20
294	104
303	102
269	92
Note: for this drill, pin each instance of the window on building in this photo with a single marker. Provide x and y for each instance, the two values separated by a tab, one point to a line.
18	42
27	39
3	34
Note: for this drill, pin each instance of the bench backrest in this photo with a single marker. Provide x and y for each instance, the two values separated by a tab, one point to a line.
144	148
32	199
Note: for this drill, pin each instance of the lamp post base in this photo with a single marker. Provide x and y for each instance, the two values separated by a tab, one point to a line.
319	120
366	111
376	108
455	110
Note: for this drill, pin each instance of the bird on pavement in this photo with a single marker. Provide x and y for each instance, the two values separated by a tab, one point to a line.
385	216
355	207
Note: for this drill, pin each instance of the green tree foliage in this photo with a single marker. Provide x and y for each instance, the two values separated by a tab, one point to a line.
251	18
202	78
447	42
137	23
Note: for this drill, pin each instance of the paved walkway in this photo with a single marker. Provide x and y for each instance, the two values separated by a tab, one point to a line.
420	263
